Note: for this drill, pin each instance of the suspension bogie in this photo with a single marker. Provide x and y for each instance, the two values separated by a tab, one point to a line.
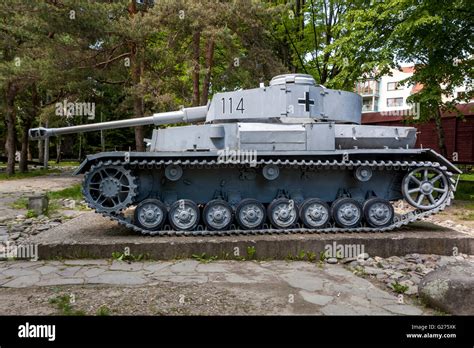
266	197
250	214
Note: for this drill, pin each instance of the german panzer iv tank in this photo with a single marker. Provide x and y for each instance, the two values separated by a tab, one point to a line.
288	157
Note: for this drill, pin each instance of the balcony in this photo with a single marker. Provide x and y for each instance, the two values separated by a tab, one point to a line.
367	88
370	104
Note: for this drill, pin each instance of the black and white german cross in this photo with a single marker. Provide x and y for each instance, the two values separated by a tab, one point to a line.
306	101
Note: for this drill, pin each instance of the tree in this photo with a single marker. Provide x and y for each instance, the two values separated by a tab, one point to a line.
18	68
130	57
308	31
436	36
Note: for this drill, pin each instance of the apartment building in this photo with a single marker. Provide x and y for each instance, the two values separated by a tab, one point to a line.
387	93
384	103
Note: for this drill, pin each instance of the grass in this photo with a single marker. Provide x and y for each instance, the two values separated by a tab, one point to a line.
21	203
360	271
31	214
467	177
399	288
304	256
103	311
30	174
204	258
63	304
64	164
127	257
73	192
251	252
465	190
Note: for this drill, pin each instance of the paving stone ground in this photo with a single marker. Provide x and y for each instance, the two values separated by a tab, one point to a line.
187	287
191	287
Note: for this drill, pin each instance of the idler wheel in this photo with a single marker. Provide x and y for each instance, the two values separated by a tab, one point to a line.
425	188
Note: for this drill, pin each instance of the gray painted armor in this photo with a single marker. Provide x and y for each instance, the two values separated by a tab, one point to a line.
288	155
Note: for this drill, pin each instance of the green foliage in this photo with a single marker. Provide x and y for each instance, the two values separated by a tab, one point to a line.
31	214
251	252
467	177
204	258
465	191
64	164
30	174
64	305
399	288
303	256
73	192
436	36
103	311
120	256
133	59
20	203
308	31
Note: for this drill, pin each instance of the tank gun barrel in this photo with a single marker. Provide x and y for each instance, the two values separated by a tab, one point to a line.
187	115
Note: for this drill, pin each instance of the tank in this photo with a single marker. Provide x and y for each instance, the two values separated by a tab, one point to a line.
285	158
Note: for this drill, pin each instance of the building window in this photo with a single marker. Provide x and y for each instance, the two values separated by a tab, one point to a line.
369	104
367	87
394	102
393	86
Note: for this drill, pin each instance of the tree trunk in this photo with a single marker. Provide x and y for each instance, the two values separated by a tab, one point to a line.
46	150
440	133
10	121
27	121
24	145
207	77
58	149
79	157
40	149
196	66
138	111
137	71
138	107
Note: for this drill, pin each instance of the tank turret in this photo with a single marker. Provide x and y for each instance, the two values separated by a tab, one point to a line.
292	155
292	98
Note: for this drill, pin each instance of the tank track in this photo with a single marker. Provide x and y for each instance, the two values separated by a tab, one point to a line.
398	221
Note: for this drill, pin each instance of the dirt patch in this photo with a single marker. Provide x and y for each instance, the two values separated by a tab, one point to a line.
162	299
